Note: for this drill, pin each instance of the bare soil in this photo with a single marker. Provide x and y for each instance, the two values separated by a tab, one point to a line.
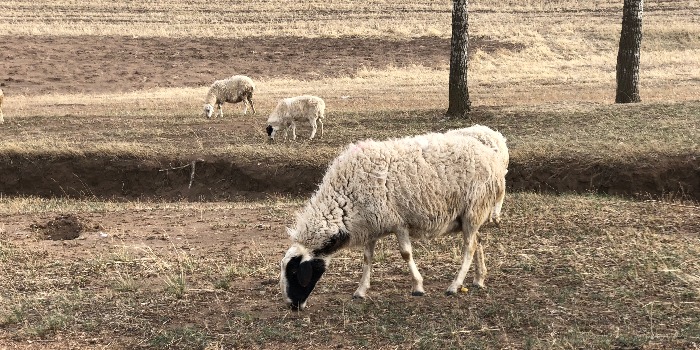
100	177
42	65
88	64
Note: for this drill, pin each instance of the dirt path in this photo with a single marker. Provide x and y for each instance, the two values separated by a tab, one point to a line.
40	65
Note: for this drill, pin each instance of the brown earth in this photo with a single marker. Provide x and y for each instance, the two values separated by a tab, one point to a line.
229	179
41	65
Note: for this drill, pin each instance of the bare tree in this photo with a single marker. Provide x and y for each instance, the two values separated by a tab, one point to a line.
628	53
458	92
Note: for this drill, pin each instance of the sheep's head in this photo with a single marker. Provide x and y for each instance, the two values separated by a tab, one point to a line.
299	274
300	269
270	132
208	110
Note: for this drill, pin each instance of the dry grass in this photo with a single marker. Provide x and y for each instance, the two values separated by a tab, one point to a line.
565	272
568	47
149	128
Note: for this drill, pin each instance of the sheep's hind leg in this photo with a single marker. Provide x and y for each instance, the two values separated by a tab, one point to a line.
479	266
496	213
294	131
407	255
313	129
361	291
320	121
469	247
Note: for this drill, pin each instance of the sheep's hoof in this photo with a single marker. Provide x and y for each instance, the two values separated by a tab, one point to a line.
477	286
417	294
450	293
358	297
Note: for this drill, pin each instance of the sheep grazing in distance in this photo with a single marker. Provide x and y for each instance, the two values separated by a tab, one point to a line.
497	142
2	118
414	187
238	88
294	109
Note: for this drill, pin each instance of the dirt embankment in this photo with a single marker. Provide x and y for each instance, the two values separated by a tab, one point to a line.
222	179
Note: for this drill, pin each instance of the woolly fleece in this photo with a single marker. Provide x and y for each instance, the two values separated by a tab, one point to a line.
422	184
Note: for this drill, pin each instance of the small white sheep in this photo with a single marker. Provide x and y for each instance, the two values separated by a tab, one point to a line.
294	109
495	140
414	187
2	118
238	88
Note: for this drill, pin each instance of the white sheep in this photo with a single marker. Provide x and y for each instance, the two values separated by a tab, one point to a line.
495	140
238	88
412	187
2	118
294	109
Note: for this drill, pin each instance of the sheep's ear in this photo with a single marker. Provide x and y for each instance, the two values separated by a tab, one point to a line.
305	273
290	232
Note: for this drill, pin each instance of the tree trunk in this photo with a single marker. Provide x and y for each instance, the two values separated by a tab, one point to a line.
628	53
458	91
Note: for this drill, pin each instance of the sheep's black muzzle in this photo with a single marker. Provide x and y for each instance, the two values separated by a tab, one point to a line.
301	279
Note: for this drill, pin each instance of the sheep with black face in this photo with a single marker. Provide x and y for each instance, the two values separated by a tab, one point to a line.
414	187
291	110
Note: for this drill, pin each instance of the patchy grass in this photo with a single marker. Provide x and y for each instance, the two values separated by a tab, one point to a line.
564	272
567	272
604	132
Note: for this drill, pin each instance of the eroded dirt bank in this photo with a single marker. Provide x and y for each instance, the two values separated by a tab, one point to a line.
222	179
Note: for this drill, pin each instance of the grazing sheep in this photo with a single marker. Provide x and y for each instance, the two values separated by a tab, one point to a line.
294	109
495	140
2	118
414	187
232	90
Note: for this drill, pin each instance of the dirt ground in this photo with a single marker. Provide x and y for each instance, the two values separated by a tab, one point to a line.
34	65
41	65
78	236
44	65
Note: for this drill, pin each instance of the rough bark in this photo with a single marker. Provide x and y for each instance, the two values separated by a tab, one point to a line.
459	103
628	53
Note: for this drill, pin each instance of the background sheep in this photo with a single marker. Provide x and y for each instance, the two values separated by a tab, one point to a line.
232	90
412	187
2	118
294	109
497	142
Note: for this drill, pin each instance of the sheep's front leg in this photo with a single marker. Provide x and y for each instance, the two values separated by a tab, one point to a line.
245	107
221	110
366	271
313	129
320	121
250	101
469	247
407	255
294	131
